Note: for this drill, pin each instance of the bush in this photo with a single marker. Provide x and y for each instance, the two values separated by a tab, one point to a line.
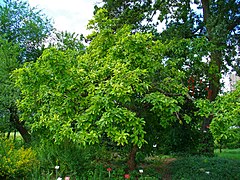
15	162
73	159
205	168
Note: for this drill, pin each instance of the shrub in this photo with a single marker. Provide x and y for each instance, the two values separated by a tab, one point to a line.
15	162
73	159
205	168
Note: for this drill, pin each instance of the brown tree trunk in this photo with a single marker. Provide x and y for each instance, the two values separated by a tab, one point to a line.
132	156
14	119
214	88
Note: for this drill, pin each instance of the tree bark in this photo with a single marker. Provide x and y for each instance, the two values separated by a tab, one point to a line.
132	156
14	119
214	80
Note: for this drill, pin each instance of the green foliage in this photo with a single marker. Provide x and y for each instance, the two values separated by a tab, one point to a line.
104	91
16	162
179	139
129	12
66	40
26	26
73	159
23	31
205	168
203	63
225	112
8	92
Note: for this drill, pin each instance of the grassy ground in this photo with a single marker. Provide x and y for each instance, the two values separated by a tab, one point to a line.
229	153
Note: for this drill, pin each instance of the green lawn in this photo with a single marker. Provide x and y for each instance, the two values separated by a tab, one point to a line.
229	153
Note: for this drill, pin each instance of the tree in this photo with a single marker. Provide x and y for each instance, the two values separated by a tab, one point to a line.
130	12
8	92
116	89
23	32
66	40
216	20
26	26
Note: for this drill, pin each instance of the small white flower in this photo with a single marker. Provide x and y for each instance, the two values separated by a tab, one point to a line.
141	171
207	172
154	145
59	178
56	167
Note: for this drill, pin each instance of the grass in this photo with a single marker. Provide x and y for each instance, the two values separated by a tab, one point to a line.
201	168
228	153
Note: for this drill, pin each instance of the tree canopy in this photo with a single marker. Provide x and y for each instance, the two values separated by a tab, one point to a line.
109	90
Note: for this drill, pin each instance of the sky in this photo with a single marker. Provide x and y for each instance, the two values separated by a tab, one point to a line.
67	15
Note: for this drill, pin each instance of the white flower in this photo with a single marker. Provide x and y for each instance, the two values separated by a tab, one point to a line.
207	172
59	178
154	145
141	171
56	167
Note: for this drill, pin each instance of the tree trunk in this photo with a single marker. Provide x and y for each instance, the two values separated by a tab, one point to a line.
214	79
14	119
131	161
8	134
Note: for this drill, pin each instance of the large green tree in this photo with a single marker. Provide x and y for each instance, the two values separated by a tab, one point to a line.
116	89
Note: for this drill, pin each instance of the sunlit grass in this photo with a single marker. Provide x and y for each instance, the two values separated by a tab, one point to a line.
229	153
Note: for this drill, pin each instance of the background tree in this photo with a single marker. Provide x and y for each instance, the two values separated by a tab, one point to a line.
26	28
66	40
131	12
9	54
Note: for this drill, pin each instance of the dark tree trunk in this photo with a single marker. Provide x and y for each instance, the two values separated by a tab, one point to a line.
8	134
14	119
214	79
131	160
